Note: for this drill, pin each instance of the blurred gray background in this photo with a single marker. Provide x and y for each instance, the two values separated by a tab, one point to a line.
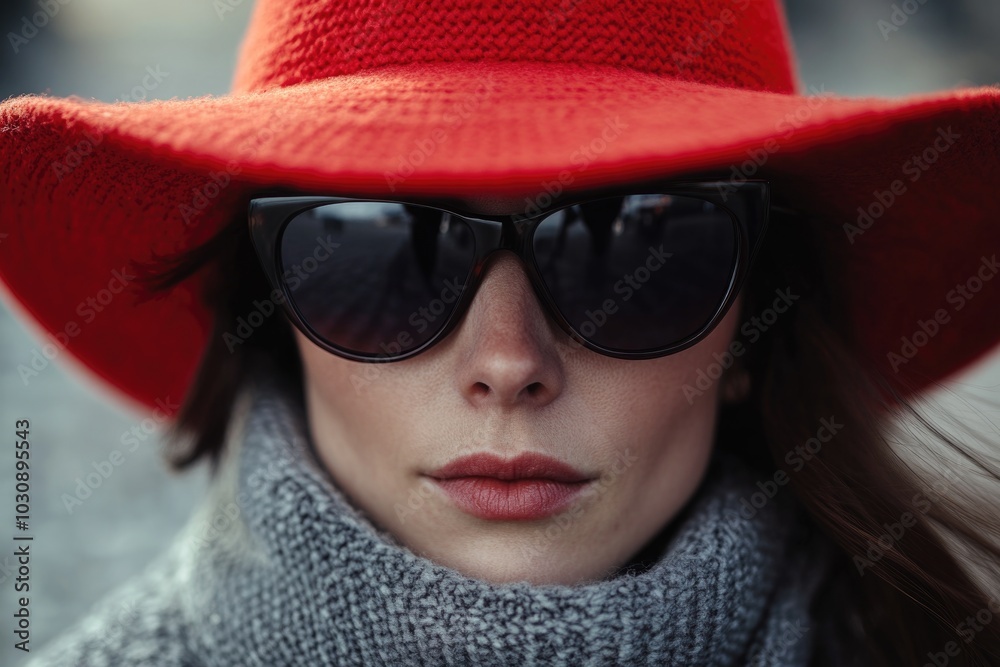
101	49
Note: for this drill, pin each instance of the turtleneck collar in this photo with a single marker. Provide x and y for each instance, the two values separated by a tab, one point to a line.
284	570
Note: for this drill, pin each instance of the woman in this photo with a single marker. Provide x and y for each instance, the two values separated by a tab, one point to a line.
460	300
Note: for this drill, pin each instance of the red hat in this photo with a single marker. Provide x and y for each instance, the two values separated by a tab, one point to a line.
515	98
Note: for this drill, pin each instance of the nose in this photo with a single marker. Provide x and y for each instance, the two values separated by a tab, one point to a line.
506	345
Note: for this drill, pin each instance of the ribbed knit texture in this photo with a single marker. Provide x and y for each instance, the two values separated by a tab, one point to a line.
280	569
740	43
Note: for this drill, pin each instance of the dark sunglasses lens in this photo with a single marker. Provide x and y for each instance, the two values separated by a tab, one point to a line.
377	279
639	272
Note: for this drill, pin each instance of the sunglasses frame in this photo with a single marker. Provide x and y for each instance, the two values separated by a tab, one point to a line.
747	204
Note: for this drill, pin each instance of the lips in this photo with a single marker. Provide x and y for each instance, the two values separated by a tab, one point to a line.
529	486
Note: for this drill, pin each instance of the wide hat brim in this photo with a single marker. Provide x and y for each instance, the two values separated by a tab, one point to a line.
90	187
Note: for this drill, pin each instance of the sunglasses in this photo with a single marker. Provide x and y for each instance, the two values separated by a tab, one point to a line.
636	275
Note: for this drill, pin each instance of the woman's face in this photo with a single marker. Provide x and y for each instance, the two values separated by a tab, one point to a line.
507	381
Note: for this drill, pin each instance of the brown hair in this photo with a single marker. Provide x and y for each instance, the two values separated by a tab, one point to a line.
898	595
234	288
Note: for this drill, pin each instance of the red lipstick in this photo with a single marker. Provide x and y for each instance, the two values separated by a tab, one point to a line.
529	486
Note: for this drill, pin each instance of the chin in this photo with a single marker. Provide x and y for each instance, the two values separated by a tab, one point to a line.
529	557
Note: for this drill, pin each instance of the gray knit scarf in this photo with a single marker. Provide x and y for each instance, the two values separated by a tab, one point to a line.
278	568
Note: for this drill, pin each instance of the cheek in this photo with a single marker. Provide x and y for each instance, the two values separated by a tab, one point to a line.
342	396
365	415
336	384
679	389
348	389
659	409
669	434
360	421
